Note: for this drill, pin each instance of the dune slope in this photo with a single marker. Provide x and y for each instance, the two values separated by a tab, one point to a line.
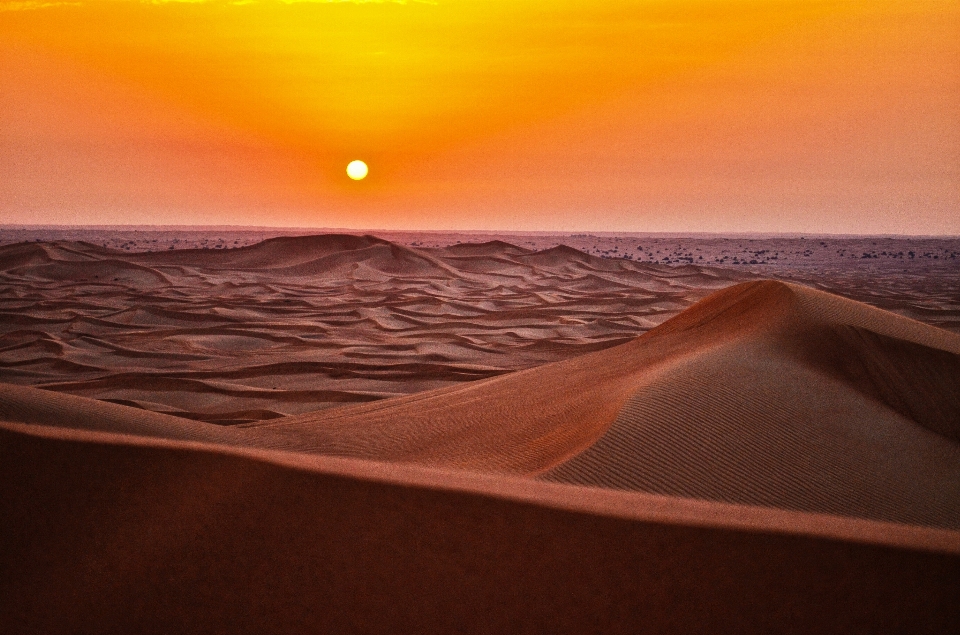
765	393
809	402
112	534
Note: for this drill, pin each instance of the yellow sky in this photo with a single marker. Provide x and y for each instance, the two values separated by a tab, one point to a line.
684	115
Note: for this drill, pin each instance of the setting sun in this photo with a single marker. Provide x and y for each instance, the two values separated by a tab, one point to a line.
733	115
357	170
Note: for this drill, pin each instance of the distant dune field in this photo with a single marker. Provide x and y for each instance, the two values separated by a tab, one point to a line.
295	324
570	444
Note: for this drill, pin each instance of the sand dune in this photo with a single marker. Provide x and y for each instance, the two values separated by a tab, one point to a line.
771	459
796	411
765	393
109	534
295	324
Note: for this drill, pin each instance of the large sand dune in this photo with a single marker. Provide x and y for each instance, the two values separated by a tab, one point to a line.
771	459
114	534
765	393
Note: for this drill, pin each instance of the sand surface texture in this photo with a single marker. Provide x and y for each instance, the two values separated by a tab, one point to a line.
771	459
296	324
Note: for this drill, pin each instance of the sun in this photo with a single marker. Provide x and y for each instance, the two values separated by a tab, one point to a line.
357	170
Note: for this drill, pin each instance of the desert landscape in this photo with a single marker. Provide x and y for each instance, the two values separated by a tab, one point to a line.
294	324
390	317
474	436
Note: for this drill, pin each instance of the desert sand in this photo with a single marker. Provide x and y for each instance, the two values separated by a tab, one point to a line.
344	434
295	324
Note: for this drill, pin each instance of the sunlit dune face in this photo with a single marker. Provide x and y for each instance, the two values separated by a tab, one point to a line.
357	170
660	115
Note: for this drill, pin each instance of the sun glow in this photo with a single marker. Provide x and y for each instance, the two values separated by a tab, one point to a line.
773	115
357	170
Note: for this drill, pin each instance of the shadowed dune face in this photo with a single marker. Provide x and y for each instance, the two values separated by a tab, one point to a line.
921	383
102	535
796	400
296	324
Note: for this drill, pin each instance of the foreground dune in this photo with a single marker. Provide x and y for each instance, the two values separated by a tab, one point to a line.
772	459
114	534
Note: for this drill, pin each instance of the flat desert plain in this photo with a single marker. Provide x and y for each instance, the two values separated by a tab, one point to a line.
225	430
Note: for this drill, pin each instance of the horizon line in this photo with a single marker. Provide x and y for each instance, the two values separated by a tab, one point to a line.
541	232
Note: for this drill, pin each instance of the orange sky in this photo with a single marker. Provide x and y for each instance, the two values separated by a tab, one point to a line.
838	116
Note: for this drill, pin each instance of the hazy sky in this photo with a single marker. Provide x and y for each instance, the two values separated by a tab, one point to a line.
838	116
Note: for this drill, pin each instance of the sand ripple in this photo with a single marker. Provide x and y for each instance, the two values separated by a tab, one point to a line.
297	324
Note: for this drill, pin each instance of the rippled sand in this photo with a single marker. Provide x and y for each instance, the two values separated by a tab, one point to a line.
676	450
300	323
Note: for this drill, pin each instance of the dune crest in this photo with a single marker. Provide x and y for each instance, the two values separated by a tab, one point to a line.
798	400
